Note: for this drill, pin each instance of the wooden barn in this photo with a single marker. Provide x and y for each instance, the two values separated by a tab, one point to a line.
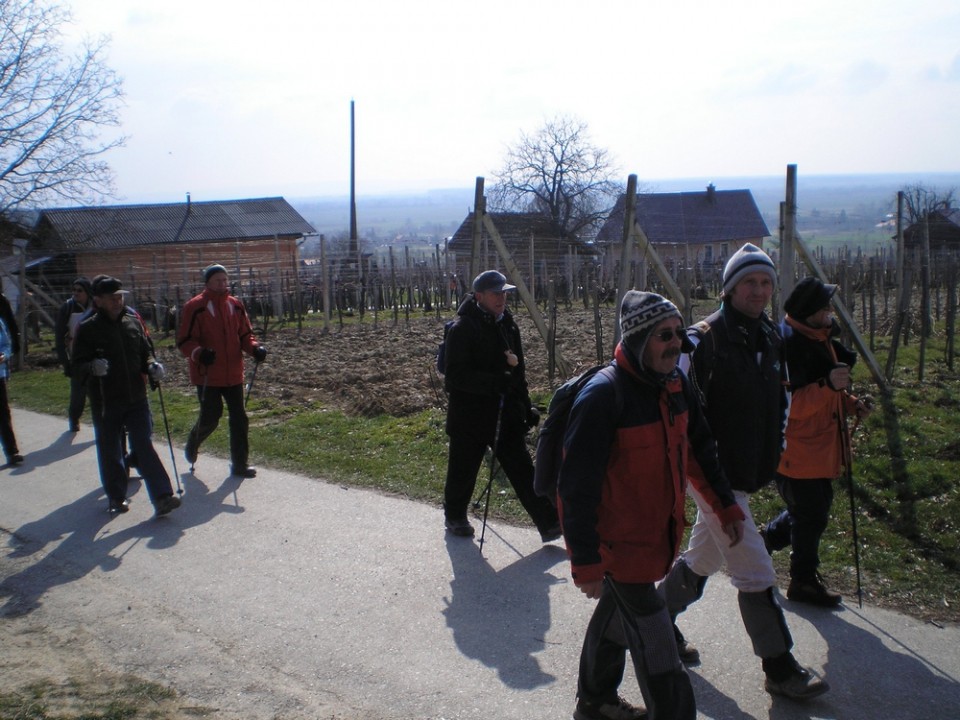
944	229
538	246
691	229
159	251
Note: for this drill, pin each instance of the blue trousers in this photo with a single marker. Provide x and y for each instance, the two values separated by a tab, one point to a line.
109	430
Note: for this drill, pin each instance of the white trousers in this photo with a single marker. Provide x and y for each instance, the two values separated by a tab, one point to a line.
748	563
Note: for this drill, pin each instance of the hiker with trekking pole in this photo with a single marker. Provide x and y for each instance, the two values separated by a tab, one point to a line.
113	355
484	374
215	333
621	489
817	438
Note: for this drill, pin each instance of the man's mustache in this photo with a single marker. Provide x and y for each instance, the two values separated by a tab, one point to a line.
671	353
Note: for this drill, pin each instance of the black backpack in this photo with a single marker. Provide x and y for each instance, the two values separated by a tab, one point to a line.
442	348
549	457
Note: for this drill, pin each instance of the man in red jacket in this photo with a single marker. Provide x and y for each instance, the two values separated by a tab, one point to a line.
621	494
214	333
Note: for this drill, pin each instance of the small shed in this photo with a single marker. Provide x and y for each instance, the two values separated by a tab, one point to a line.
944	229
692	228
153	248
538	245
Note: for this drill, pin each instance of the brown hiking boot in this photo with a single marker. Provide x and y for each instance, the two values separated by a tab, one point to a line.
812	591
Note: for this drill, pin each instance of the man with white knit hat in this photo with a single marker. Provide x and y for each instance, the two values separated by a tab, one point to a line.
737	368
621	493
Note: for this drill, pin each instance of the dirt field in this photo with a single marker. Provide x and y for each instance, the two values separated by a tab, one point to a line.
389	368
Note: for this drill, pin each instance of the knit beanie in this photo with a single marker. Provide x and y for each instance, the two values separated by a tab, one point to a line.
85	284
809	297
746	260
212	270
640	313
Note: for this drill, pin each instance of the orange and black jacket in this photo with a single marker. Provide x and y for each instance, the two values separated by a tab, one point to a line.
814	447
623	480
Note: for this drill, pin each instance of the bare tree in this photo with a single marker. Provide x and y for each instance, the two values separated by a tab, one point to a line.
920	201
53	108
557	171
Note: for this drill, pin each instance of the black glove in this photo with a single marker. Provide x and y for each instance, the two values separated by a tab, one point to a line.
259	353
207	356
533	418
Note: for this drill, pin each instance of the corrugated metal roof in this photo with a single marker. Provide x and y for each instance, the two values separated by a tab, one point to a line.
690	217
122	226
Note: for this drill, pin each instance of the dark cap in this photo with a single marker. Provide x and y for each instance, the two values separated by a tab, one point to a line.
211	270
491	281
808	297
107	285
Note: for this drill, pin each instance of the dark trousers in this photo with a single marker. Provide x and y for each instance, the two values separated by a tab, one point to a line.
802	524
7	437
211	410
634	616
138	423
78	399
463	464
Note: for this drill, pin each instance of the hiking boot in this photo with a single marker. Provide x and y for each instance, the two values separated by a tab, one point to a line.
167	503
554	532
190	453
118	507
621	710
15	459
797	682
244	471
460	527
74	426
812	591
689	655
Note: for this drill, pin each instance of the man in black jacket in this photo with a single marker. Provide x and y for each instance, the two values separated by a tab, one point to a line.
489	406
113	353
737	367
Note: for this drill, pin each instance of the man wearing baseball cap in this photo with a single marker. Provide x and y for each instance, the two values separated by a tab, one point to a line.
113	355
489	406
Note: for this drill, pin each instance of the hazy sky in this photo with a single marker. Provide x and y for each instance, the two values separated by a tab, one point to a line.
246	99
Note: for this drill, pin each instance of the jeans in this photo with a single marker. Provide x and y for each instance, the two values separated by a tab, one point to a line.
138	422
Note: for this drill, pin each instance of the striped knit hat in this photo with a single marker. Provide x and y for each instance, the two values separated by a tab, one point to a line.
640	313
746	260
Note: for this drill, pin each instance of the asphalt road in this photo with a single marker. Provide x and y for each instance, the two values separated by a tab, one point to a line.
290	597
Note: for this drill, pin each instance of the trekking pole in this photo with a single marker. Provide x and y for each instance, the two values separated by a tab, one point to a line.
166	424
493	463
253	378
847	454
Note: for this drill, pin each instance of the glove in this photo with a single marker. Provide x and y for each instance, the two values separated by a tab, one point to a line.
259	353
156	372
99	367
533	418
207	356
839	377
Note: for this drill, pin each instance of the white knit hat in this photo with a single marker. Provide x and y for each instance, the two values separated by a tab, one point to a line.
746	260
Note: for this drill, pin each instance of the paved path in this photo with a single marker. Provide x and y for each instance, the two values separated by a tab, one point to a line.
289	597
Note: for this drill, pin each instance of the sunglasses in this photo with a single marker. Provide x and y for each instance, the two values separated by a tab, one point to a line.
668	335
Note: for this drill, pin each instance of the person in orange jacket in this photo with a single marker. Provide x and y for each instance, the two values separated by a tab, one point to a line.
819	371
214	334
